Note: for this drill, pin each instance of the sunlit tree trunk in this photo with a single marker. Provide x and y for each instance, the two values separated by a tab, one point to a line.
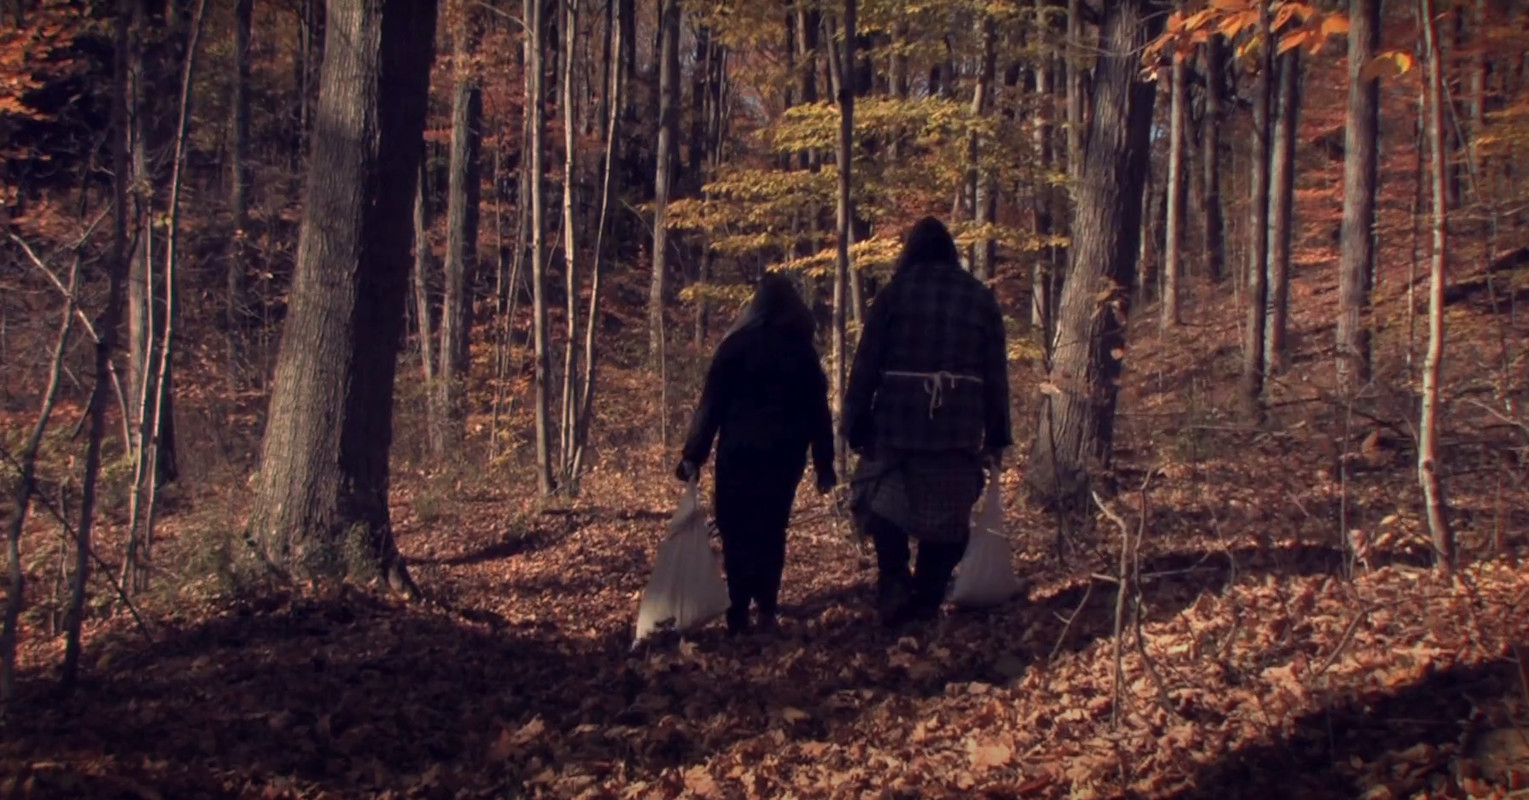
1282	209
536	189
570	239
1360	150
1435	505
845	216
1178	183
984	202
1258	229
1075	430
1212	228
463	189
321	495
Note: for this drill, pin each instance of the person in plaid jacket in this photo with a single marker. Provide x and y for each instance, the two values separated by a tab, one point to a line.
927	411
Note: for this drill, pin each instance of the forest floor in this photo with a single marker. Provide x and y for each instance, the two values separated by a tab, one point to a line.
1262	665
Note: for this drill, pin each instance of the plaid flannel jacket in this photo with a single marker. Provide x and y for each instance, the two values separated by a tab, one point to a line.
930	320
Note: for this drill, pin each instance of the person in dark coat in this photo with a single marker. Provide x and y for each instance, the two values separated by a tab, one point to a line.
927	410
765	402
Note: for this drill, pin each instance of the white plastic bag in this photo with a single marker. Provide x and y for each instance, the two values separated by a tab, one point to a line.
686	590
985	576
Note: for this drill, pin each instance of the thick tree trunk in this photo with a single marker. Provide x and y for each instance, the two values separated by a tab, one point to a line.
321	497
1258	230
1282	209
1213	225
845	218
1177	186
1076	425
463	189
1436	508
1360	161
536	188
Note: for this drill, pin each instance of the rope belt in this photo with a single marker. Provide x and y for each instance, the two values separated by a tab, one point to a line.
935	384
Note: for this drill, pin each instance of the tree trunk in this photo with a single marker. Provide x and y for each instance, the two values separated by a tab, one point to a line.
107	323
845	216
668	136
1076	426
1282	209
570	241
1360	160
1212	243
979	177
141	295
321	497
463	189
587	394
807	23
422	304
1177	186
1435	505
537	191
1258	229
1075	100
1041	202
239	184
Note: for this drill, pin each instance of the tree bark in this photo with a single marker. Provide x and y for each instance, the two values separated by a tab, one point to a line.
321	497
1282	209
1360	161
1213	224
463	190
536	188
1075	99
1258	228
1178	184
1435	506
1042	202
844	218
1075	430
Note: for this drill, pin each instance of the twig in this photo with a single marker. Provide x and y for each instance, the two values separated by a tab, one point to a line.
1348	635
1062	637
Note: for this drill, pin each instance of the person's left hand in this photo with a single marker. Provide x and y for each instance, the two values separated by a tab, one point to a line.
686	471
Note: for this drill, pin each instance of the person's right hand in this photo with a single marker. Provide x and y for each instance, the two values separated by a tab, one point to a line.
827	480
686	471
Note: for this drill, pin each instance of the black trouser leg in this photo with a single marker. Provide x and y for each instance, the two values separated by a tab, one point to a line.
741	563
771	554
894	583
936	562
